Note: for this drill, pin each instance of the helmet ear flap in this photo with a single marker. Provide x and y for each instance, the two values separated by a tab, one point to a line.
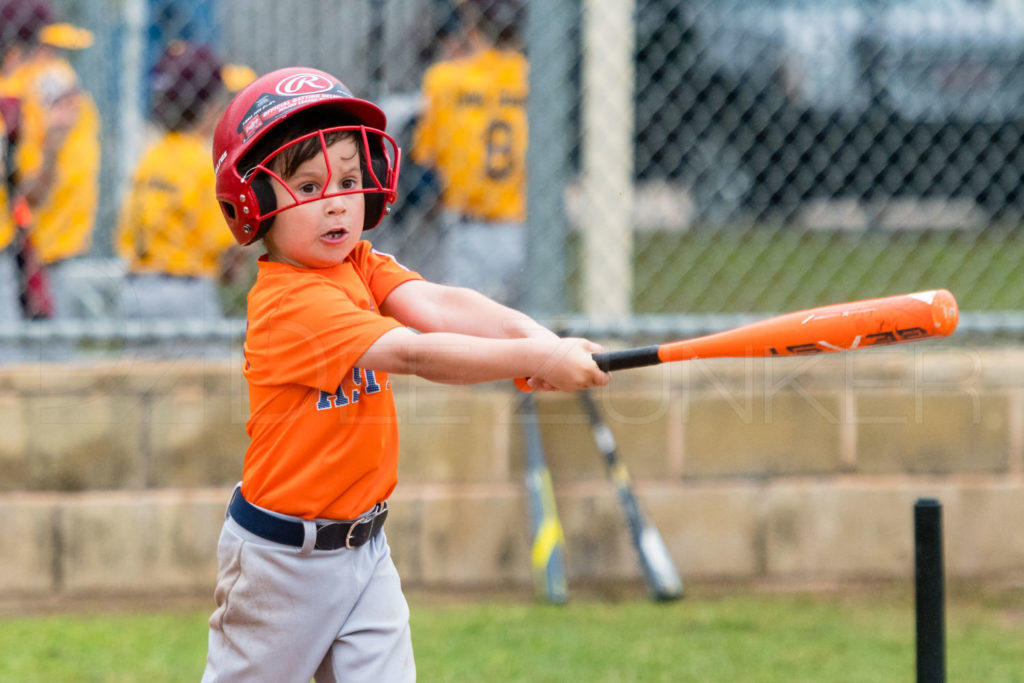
375	201
265	200
385	172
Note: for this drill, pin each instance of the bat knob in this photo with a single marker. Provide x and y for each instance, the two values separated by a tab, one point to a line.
523	385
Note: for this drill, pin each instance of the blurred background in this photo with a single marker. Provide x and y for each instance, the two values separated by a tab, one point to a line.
688	165
687	159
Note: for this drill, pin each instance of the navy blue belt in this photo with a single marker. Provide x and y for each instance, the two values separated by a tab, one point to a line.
329	535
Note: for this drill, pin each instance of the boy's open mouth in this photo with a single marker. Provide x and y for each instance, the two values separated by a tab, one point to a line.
336	234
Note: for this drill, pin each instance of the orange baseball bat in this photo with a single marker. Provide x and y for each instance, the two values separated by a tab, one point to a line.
827	329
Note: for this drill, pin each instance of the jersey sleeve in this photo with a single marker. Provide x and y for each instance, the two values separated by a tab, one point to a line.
312	337
383	273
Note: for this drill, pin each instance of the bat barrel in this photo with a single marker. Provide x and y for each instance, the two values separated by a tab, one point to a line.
827	329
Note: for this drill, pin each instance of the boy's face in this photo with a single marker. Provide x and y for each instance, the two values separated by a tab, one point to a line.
322	233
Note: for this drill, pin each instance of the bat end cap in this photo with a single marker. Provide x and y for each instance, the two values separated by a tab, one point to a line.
945	312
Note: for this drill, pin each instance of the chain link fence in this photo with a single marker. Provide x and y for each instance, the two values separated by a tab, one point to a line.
685	157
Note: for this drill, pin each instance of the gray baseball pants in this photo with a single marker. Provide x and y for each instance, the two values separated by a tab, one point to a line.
287	615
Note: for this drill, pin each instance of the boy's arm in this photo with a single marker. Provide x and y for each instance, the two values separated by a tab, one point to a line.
431	307
549	362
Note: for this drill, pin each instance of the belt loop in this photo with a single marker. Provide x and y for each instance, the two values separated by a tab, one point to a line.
308	537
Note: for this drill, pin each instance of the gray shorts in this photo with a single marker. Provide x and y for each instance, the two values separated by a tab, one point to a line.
283	615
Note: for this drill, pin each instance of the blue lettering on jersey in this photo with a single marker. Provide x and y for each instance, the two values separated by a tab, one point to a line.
357	379
324	401
371	382
327	400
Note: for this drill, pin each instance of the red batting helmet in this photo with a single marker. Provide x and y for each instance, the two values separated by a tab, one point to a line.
244	187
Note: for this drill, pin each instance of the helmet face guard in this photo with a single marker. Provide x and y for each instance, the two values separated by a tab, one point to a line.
379	162
245	190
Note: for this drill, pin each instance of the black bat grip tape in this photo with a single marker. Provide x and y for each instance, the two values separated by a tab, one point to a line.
627	358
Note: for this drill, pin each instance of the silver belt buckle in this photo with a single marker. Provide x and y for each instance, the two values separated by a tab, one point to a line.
352	527
367	518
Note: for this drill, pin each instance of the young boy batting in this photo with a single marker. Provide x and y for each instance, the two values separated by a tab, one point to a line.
306	586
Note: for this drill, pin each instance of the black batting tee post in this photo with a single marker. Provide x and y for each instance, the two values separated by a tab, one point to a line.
929	591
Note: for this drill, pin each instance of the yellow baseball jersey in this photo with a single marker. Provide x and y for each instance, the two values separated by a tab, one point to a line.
63	222
474	131
6	222
170	221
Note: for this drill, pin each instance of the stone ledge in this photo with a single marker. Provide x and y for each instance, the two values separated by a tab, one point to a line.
923	411
804	529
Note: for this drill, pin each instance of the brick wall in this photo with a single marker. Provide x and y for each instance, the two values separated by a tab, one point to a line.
114	476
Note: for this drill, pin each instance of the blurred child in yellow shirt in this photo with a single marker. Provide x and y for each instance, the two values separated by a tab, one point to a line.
170	229
473	131
56	160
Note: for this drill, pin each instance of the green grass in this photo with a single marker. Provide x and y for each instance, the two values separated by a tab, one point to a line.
766	268
715	636
776	269
112	647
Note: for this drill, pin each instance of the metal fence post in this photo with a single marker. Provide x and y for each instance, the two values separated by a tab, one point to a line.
548	26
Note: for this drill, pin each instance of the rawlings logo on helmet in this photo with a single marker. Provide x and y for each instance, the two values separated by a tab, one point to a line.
306	84
294	91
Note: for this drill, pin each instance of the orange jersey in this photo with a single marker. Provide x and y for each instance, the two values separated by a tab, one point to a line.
474	131
170	221
324	433
63	222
